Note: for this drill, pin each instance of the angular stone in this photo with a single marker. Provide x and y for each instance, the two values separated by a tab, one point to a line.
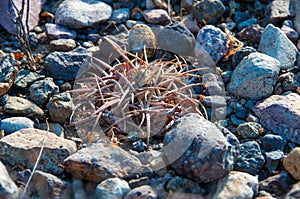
13	124
156	16
8	188
25	78
208	11
55	31
281	114
41	90
237	185
276	11
272	160
68	65
82	13
292	163
100	161
8	72
22	107
272	142
24	146
143	192
276	44
254	77
112	188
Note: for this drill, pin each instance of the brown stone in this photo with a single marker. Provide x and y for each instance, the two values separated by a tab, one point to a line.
292	163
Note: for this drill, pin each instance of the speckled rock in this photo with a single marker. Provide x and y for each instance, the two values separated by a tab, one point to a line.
254	84
8	188
249	130
156	16
13	124
197	149
271	142
100	161
41	90
276	44
22	107
176	38
60	107
23	147
292	163
208	11
294	192
214	41
8	73
25	78
250	159
55	31
112	188
68	65
143	192
82	13
276	12
237	185
62	45
281	114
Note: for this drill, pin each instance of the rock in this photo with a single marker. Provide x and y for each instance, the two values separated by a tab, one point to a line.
254	84
249	130
208	11
246	23
237	185
100	161
22	107
240	16
55	128
55	31
143	192
68	65
176	38
276	44
289	31
241	113
277	185
8	72
112	188
292	163
141	36
151	4
289	81
190	23
13	124
60	107
294	192
134	183
236	121
41	90
25	78
197	149
241	54
281	114
8	188
7	6
276	12
183	185
272	160
120	15
77	14
130	23
213	84
250	159
156	16
24	146
46	185
251	33
215	101
63	45
214	41
272	142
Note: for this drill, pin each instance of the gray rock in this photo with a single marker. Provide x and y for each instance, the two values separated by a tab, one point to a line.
250	159
112	188
214	101
214	84
133	183
273	158
236	121
208	11
190	23
249	130
100	161
281	114
156	16
55	128
254	84
197	149
183	185
24	146
8	188
294	192
22	107
143	192
288	29
62	45
241	113
237	185
176	38
68	65
246	23
82	13
6	6
41	90
120	15
240	54
272	142
276	12
276	44
55	31
214	41
8	72
13	124
25	78
251	33
60	107
130	23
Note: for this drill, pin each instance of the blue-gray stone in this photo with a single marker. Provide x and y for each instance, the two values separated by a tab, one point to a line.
272	160
41	90
241	113
271	142
13	124
246	23
120	15
250	159
112	188
240	16
240	54
208	11
236	121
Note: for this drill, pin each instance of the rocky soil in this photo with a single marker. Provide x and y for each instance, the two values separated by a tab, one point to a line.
238	138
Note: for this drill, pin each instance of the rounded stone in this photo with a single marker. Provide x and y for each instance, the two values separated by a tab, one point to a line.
292	163
112	188
249	130
13	124
156	16
208	11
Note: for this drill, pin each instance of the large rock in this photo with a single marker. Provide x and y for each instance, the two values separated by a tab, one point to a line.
254	77
66	65
196	148
35	7
82	13
276	44
24	146
8	188
8	72
281	114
